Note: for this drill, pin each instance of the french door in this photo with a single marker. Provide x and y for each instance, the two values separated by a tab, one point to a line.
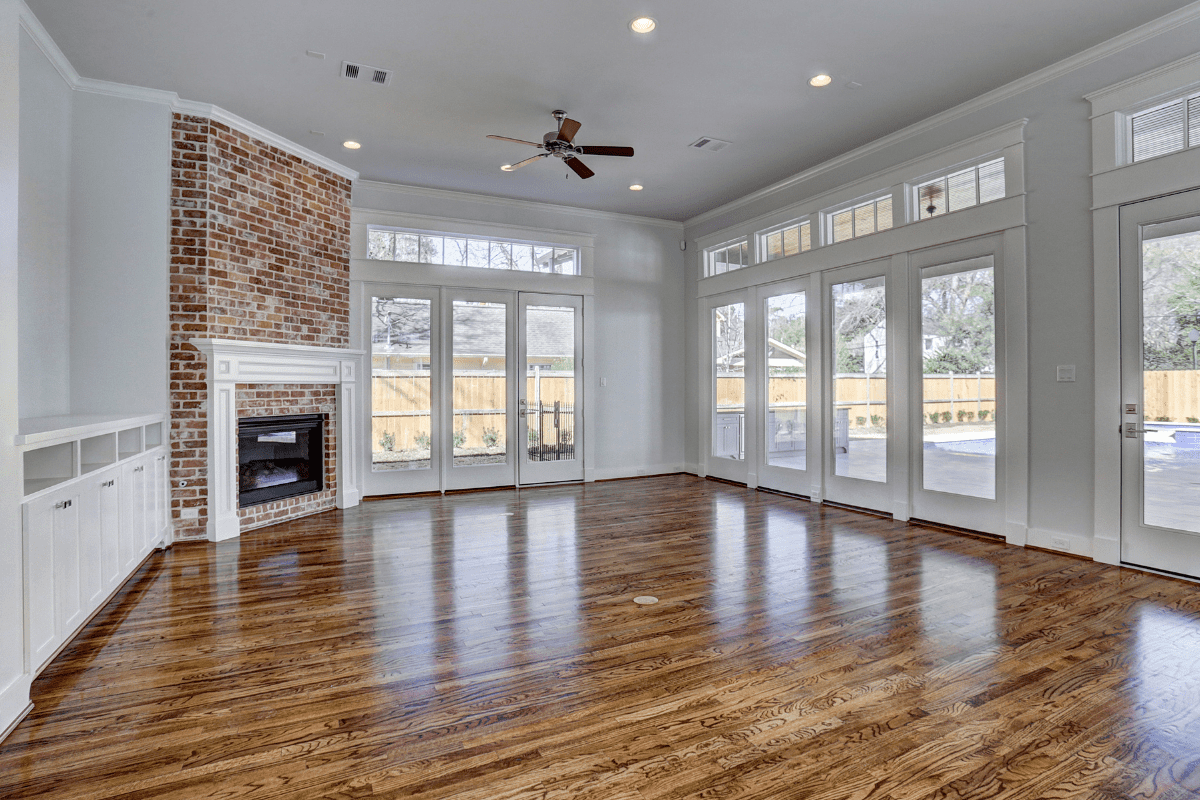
879	385
856	394
473	388
1160	430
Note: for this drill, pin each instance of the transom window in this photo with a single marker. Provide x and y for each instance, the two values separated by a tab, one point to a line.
727	256
961	189
786	240
1165	129
861	219
418	247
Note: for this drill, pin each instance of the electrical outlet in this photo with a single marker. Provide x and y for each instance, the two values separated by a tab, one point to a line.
604	381
189	513
1060	543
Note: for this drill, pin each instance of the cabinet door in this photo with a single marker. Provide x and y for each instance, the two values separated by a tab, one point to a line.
91	544
109	512
68	563
39	579
133	515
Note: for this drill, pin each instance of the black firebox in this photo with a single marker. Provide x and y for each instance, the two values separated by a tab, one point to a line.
280	457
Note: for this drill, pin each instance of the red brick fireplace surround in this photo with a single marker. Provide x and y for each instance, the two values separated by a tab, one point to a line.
260	253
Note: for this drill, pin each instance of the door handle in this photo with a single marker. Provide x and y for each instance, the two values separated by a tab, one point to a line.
1131	430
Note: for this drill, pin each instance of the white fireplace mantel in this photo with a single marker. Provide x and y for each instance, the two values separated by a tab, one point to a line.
232	362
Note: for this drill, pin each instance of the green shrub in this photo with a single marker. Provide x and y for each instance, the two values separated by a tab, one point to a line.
983	415
945	416
388	440
860	421
934	417
421	441
460	438
491	437
962	415
876	420
1162	419
1193	419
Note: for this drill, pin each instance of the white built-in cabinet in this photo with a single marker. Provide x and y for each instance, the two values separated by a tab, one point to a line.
96	504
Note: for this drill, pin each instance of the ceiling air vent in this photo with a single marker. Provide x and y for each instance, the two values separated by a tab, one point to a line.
365	74
710	144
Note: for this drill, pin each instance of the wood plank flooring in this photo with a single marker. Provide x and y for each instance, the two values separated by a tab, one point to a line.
486	647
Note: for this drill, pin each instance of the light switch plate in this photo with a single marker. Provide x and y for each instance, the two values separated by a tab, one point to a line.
1066	373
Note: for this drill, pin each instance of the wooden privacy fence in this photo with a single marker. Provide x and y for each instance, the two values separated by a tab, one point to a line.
866	395
1171	393
400	403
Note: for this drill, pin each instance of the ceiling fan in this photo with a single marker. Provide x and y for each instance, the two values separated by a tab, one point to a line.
560	143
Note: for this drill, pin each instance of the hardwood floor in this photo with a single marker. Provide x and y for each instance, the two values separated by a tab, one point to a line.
486	647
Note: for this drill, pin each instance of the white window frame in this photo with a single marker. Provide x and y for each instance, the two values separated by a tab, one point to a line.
760	238
710	255
916	204
874	199
491	241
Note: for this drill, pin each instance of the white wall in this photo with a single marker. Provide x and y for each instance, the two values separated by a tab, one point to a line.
639	302
44	234
14	682
120	229
1057	158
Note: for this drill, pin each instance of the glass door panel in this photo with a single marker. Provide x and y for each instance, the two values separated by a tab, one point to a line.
480	396
481	391
551	356
1160	301
787	381
401	383
958	381
403	392
729	381
859	408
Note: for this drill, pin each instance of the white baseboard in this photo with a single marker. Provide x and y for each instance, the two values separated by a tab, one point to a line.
1106	551
14	704
614	473
900	512
1054	540
1016	534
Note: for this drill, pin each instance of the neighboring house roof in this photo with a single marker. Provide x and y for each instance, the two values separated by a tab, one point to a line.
780	355
479	331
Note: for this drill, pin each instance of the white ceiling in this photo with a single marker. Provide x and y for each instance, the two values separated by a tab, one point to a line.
465	68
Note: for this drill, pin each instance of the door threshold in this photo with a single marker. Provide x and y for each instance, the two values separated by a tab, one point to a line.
858	509
1166	573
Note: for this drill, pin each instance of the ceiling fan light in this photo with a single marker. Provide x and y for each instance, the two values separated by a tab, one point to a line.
506	167
642	25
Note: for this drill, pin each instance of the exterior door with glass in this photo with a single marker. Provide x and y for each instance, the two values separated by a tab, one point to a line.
550	418
1160	423
956	348
404	335
857	401
787	380
730	394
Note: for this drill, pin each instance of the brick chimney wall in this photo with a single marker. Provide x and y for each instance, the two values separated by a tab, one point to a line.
260	251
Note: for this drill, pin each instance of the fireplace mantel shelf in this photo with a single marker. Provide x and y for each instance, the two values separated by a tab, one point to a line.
232	362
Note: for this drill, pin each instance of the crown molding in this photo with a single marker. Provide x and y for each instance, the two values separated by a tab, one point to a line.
1133	91
1130	38
508	202
33	27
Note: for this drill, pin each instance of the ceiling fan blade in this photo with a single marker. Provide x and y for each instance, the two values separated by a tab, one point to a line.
520	164
579	168
601	150
568	129
518	141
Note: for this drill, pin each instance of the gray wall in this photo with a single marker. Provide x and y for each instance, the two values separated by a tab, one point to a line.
639	283
93	231
44	236
120	229
1060	315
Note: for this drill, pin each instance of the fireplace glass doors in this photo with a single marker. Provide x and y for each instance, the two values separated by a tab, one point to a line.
280	457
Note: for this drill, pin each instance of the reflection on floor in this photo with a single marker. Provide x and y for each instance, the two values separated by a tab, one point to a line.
487	647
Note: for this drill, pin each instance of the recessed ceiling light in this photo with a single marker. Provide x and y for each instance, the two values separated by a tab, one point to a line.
642	25
506	167
351	145
820	80
637	187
